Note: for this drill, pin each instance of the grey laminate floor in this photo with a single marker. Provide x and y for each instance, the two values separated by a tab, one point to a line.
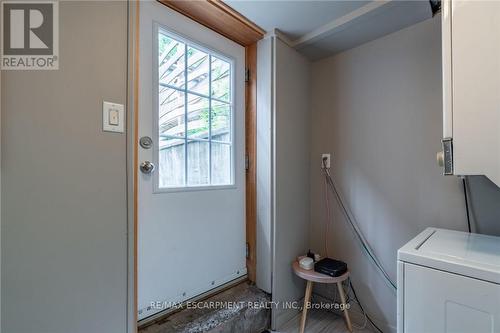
319	322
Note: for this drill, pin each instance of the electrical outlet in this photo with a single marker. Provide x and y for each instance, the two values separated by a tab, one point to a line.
326	162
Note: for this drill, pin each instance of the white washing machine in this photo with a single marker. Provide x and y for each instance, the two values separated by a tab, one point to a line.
449	281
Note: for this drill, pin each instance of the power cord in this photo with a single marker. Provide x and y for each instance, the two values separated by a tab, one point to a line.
364	243
358	302
362	309
464	182
348	300
355	228
360	238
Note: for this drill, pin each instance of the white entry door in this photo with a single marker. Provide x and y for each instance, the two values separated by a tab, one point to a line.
191	221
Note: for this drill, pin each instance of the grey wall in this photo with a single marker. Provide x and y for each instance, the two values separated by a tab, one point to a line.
64	245
378	109
291	144
484	201
264	165
0	207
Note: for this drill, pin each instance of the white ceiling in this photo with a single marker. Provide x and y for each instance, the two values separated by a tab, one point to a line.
294	18
319	29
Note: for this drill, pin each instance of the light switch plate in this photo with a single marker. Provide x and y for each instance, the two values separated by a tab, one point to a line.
113	117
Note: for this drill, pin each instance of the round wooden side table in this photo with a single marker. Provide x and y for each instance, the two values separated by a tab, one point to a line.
311	276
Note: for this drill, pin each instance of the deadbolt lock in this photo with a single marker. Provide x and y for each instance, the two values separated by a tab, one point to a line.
146	142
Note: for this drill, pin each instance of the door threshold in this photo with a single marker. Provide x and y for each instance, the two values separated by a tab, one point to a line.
235	309
161	316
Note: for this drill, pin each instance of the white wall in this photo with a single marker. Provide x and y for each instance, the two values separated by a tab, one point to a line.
64	216
378	109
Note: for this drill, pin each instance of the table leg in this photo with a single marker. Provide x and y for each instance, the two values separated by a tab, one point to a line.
307	300
342	299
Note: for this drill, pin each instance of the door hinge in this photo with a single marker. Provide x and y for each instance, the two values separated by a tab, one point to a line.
247	163
247	75
247	250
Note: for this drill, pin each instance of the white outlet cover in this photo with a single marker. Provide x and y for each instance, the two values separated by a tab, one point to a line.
114	109
328	159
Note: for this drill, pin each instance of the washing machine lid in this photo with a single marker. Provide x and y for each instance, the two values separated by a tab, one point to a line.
473	255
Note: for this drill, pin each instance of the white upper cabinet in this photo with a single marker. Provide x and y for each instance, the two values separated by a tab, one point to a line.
471	88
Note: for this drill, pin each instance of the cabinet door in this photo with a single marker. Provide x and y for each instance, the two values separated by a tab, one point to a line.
442	302
475	58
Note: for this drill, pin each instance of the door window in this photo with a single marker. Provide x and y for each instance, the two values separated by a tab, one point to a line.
194	118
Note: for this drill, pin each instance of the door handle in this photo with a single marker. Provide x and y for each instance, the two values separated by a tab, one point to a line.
147	167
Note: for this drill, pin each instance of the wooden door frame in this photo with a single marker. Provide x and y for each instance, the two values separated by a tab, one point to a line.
221	18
